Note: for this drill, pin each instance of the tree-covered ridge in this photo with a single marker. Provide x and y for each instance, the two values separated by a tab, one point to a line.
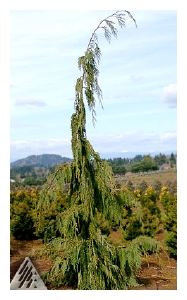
43	160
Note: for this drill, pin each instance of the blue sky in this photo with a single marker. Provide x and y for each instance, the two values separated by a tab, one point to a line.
138	78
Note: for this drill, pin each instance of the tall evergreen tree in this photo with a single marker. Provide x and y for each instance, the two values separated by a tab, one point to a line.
172	159
82	255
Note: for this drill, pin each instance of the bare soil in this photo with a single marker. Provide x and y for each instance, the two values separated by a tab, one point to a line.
156	273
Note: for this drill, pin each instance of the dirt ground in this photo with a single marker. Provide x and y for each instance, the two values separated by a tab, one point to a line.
156	272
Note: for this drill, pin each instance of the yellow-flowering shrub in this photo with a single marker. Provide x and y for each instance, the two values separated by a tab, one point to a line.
22	204
150	219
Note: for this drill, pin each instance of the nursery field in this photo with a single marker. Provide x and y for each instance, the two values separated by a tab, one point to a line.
157	194
156	272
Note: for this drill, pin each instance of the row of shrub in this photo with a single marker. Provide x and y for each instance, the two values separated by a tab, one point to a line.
141	215
143	185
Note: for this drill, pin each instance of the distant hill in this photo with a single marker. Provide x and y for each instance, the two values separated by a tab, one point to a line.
43	160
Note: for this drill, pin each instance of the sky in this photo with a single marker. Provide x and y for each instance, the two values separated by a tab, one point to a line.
138	78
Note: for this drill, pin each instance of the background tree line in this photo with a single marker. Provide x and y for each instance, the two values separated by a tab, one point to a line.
141	163
32	175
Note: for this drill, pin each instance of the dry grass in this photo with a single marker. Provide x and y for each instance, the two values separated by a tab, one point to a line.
150	178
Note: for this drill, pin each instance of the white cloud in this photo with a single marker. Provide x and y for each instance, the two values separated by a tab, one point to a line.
133	70
22	149
169	136
170	95
135	142
35	102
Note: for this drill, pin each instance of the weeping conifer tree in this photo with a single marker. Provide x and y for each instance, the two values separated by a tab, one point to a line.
82	256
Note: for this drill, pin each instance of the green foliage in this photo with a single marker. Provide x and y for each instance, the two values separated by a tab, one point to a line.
138	158
150	219
172	159
146	164
33	170
96	264
21	214
151	211
33	181
171	242
81	253
117	165
54	202
22	225
169	203
29	175
160	159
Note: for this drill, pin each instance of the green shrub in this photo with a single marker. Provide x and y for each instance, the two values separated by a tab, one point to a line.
21	223
149	220
171	242
169	203
21	214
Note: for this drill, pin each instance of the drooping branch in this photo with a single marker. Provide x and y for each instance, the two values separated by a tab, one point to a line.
87	86
89	62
